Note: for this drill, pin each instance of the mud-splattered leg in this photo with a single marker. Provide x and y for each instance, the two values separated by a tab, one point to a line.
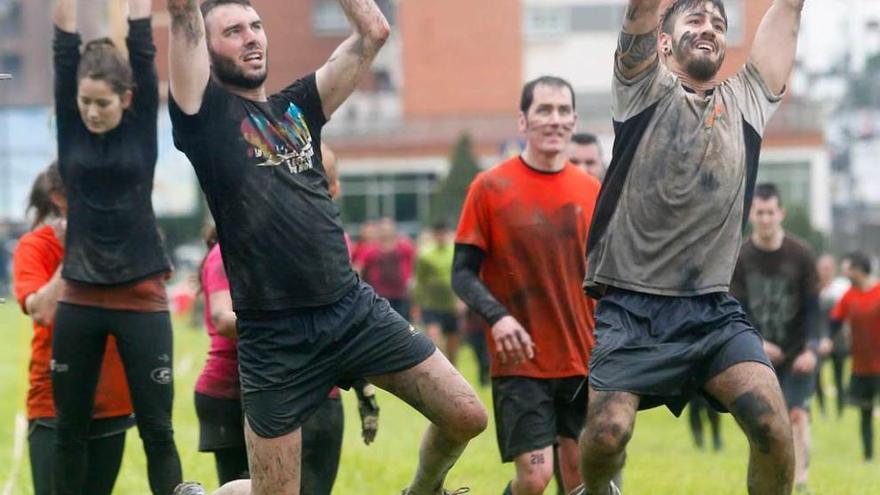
437	390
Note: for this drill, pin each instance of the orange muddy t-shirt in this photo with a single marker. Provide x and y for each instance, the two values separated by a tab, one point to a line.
861	309
533	228
36	258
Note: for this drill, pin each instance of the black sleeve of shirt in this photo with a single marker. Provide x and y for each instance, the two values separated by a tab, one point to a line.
466	282
304	93
811	303
142	57
65	61
811	321
835	326
186	128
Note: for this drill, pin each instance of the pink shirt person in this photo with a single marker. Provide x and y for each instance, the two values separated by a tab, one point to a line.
219	378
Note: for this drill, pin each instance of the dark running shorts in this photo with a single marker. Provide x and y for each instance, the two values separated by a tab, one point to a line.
796	387
289	364
446	320
864	390
220	423
531	412
665	349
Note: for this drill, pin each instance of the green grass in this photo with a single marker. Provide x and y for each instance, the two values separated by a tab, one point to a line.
662	459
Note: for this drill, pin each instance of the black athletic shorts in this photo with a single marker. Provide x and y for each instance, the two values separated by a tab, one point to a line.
220	423
289	364
796	387
531	412
446	319
864	390
665	349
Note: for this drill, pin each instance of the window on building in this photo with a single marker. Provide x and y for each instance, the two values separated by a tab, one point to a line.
383	81
10	17
328	19
389	8
543	21
792	178
405	197
736	18
12	64
597	17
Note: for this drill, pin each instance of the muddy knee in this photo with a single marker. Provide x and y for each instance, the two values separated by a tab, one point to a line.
606	435
767	428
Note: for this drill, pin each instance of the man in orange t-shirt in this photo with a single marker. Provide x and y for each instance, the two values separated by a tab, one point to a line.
35	266
519	263
860	307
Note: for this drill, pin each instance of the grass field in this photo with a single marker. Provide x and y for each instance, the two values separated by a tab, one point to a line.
662	459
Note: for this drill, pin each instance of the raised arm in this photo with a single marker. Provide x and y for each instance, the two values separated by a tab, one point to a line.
338	78
65	60
142	58
64	15
139	9
190	66
637	45
775	43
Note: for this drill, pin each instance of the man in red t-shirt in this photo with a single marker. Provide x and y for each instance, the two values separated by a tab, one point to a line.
519	263
860	307
387	265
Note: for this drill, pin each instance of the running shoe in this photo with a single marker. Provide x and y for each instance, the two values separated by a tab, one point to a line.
460	491
582	490
189	488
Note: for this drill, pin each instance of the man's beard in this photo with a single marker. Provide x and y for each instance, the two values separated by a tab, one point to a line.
228	73
699	68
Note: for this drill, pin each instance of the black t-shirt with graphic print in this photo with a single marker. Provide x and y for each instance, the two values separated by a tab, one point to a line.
259	165
779	290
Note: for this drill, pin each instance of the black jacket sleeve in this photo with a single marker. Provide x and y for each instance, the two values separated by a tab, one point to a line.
466	283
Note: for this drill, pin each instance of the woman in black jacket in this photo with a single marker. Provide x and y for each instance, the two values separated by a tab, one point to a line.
115	263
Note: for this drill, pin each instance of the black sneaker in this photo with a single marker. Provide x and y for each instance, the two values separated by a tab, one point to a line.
460	491
189	488
582	490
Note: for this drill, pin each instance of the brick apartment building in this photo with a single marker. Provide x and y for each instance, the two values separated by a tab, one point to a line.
451	66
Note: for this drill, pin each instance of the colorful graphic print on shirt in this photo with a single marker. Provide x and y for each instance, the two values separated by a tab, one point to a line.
288	142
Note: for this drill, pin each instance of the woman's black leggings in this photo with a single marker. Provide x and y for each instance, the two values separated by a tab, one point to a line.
232	464
104	459
145	344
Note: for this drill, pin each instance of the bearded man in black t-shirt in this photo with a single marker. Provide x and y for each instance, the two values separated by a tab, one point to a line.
776	282
305	321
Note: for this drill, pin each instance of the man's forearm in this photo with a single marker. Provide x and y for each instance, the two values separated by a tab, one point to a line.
64	15
367	20
185	20
180	8
797	5
637	44
641	16
139	9
636	8
467	284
